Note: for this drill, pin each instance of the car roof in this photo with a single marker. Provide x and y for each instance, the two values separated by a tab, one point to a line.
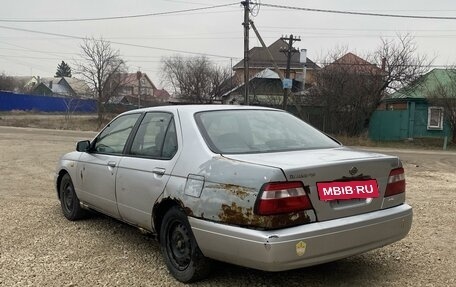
199	108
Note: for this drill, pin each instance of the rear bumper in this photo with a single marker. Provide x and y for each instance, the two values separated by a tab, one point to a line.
304	245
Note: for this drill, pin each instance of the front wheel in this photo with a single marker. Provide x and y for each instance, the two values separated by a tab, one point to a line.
179	248
69	200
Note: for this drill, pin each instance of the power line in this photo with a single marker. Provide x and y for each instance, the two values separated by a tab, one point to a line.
24	63
119	43
280	28
335	64
359	13
116	17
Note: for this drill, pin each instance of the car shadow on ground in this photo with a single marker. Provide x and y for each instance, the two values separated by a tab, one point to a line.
354	271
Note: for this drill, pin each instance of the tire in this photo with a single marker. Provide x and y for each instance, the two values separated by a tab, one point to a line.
69	201
179	248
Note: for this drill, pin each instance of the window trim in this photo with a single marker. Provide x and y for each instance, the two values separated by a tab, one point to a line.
439	126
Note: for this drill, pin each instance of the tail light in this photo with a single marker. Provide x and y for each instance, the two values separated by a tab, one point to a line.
282	197
396	182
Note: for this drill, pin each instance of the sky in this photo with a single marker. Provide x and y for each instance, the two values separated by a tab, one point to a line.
31	46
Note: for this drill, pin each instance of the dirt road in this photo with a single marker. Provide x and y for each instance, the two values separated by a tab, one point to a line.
38	247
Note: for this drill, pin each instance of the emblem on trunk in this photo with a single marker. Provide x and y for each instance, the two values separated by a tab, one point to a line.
353	170
301	248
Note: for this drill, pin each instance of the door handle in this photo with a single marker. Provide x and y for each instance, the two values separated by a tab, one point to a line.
112	163
159	171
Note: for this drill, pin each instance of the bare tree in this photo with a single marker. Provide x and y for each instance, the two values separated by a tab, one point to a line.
7	83
71	105
195	79
402	64
349	88
100	63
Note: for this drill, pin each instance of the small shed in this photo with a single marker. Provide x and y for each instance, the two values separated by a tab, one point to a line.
410	113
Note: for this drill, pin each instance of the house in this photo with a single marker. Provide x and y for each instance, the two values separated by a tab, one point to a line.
264	80
136	89
412	112
265	87
62	87
354	64
259	60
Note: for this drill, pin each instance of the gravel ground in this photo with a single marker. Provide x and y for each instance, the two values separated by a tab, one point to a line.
39	247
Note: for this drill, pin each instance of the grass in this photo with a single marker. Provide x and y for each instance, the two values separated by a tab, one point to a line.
80	122
416	143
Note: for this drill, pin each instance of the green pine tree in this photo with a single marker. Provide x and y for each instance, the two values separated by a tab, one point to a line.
63	70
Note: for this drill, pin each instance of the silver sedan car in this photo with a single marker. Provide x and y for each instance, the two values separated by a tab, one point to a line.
251	186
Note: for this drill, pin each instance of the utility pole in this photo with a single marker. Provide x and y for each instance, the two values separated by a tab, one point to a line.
246	25
289	51
139	76
276	67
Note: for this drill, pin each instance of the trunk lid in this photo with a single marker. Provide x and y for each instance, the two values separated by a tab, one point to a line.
330	165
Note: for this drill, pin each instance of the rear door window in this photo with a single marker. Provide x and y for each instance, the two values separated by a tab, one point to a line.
156	137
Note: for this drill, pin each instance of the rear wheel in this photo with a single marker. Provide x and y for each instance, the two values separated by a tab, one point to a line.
69	201
179	248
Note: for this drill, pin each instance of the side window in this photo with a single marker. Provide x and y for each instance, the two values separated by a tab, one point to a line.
113	138
435	118
170	142
156	137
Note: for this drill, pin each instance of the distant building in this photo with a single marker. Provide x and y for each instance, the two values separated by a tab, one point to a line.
354	64
265	86
414	111
136	89
259	60
60	87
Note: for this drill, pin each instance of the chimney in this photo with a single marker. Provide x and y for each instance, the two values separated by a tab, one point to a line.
383	64
50	85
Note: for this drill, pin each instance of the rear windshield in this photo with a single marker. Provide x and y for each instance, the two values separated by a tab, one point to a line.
258	131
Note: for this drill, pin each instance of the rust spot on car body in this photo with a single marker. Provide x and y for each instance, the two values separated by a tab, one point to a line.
237	215
188	211
238	191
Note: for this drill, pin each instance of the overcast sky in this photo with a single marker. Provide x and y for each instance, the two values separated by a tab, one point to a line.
215	31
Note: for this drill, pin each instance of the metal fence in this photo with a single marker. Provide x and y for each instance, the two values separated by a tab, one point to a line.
12	101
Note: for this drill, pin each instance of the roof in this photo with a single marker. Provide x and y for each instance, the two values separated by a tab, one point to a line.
162	94
54	86
422	88
201	108
64	86
79	86
259	58
131	79
264	74
355	63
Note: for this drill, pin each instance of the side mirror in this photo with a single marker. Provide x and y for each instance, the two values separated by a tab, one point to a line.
83	146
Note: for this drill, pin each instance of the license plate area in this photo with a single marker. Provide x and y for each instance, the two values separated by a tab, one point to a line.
347	190
348	203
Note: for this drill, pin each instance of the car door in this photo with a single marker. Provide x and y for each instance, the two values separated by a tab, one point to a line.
98	167
145	170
